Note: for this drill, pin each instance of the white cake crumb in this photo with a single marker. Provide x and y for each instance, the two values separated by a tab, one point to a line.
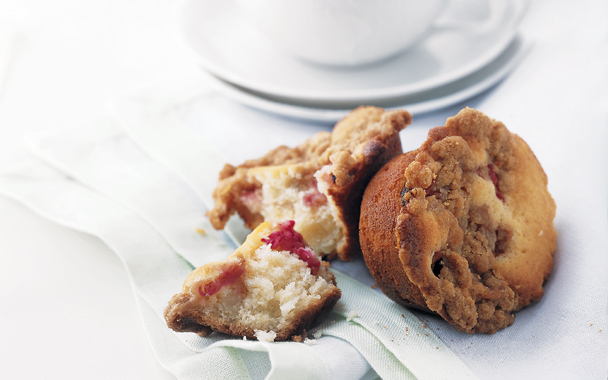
351	314
310	342
541	233
317	334
265	336
244	338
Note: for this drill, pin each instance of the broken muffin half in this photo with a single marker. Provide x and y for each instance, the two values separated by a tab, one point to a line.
318	184
272	287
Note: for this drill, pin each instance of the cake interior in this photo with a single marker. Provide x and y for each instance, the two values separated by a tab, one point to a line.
298	192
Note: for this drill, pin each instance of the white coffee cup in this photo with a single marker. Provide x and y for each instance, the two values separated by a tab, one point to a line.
342	32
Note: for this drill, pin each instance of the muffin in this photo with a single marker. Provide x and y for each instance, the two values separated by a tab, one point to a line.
318	184
462	226
273	287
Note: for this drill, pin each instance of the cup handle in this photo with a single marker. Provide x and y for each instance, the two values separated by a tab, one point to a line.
497	11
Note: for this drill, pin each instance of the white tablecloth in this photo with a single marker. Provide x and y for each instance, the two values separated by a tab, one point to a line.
71	311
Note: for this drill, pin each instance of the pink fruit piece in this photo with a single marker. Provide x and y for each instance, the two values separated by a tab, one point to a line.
228	275
314	198
288	239
494	179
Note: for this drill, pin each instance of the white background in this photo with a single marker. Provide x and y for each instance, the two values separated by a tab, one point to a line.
61	290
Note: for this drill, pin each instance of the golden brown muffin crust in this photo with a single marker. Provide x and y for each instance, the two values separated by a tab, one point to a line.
463	226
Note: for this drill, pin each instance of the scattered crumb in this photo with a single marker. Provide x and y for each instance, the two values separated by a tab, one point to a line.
310	342
402	315
244	338
437	347
591	324
351	314
407	329
317	334
424	326
265	336
541	233
201	231
601	330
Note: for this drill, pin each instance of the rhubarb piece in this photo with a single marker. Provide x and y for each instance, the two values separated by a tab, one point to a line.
288	239
273	286
318	184
462	226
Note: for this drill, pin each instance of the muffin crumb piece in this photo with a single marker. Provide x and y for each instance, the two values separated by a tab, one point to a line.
265	336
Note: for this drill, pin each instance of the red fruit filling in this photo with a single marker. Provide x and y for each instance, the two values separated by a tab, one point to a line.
227	275
310	258
288	239
313	198
252	199
494	180
285	238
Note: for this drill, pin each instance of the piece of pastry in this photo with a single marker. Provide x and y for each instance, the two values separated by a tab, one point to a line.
319	183
463	226
272	287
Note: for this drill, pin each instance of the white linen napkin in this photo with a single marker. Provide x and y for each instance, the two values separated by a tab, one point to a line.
102	158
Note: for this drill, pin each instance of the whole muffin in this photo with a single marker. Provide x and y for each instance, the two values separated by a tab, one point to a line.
462	226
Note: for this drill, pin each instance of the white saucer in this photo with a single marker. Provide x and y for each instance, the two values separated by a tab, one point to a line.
430	100
233	51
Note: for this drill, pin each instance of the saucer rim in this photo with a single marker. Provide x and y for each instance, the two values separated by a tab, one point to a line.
288	94
328	115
